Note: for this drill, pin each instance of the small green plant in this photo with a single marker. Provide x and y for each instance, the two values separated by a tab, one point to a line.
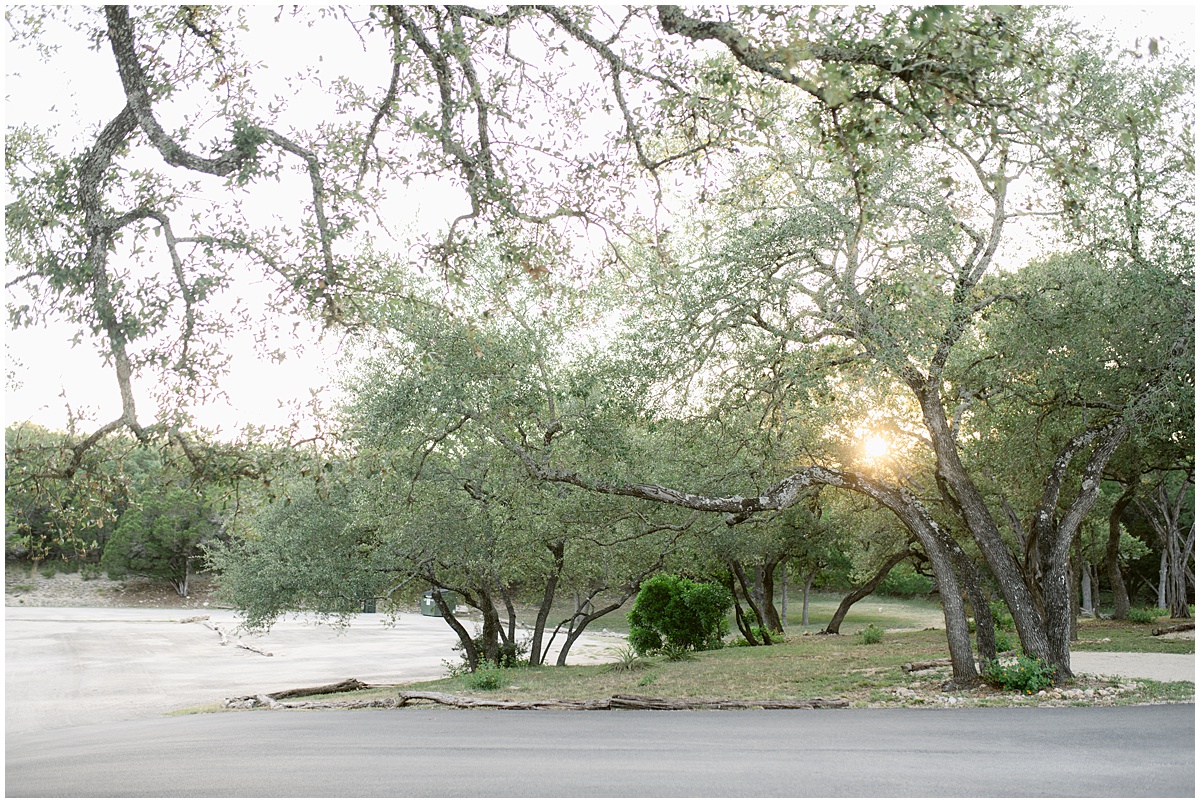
648	678
1004	641
675	652
21	588
1025	675
48	570
1145	616
90	571
871	634
488	677
628	661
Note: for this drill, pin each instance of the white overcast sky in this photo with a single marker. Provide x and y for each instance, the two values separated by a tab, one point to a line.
43	364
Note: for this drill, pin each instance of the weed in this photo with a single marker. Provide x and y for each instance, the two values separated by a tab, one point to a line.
871	634
628	661
676	652
648	678
488	677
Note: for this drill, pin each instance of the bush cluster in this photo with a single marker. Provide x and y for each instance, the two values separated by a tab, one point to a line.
673	615
1146	616
1026	675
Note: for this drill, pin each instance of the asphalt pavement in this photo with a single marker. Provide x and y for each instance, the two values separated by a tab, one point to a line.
1140	751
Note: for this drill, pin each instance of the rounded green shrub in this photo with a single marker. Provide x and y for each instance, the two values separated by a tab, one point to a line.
672	613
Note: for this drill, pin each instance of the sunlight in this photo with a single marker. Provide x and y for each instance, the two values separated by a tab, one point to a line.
876	447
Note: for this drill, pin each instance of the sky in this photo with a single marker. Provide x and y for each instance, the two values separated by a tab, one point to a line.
44	372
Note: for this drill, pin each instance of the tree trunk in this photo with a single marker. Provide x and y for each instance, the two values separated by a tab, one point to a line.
539	625
864	590
1088	606
783	598
1162	579
1176	551
765	585
509	636
808	581
739	618
464	637
974	512
1112	553
1056	535
740	574
491	626
1075	574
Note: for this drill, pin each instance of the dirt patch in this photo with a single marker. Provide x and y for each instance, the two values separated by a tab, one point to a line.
73	591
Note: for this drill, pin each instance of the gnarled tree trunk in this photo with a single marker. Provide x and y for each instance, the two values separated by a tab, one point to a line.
864	590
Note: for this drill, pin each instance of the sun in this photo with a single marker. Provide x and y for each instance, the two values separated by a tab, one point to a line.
876	447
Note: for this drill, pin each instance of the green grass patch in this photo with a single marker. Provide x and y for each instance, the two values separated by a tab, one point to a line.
890	613
1110	635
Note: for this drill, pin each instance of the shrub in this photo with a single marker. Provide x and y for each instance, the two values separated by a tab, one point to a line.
1027	674
1145	616
677	614
488	677
871	634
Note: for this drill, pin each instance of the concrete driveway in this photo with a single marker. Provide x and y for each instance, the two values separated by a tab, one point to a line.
81	666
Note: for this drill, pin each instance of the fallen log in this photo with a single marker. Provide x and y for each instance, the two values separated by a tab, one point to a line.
349	684
1175	628
616	702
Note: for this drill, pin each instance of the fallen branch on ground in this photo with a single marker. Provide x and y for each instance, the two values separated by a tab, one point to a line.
350	684
224	637
1175	628
616	702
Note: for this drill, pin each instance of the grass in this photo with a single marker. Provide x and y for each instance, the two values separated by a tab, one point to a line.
1106	635
807	666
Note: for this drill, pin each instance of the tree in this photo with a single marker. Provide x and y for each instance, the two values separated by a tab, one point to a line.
859	179
162	535
1165	511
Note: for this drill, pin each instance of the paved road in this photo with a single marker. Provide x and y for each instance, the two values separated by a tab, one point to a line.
1056	752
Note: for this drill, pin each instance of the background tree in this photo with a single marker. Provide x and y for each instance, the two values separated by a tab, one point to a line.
162	534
